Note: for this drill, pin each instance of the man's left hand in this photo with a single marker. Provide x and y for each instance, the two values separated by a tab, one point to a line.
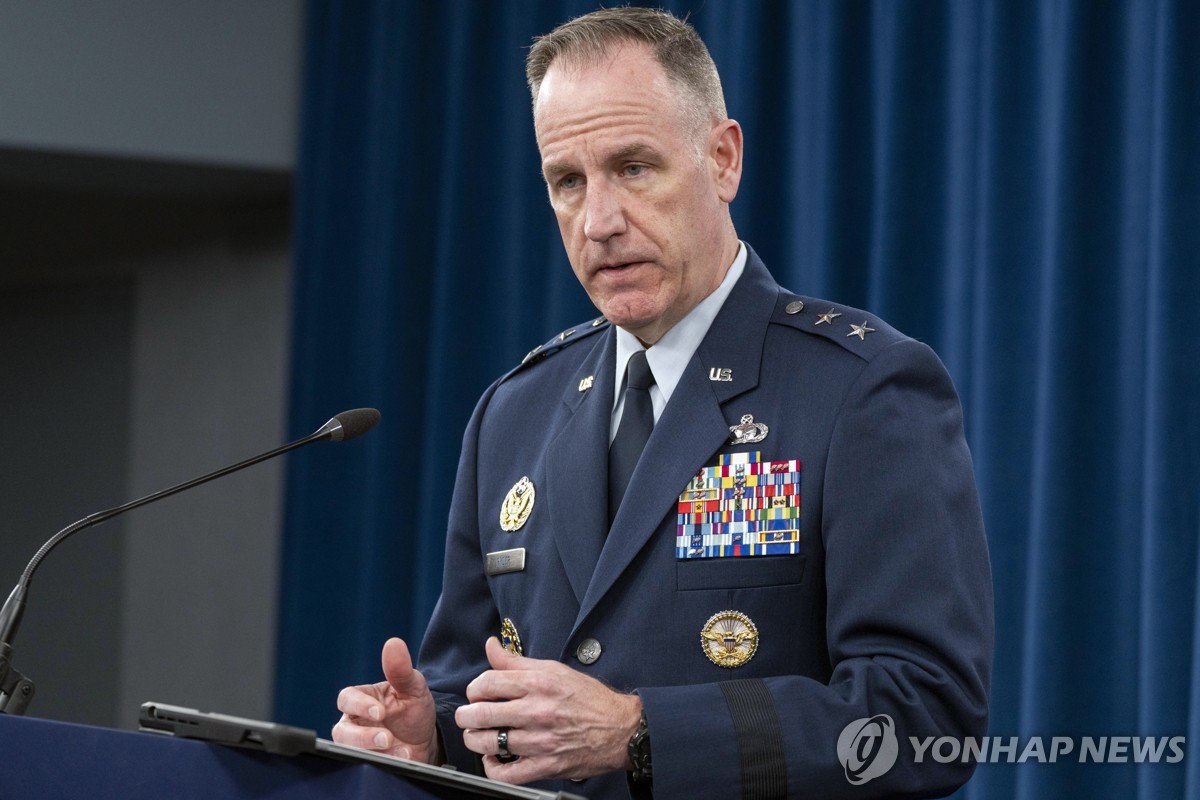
561	723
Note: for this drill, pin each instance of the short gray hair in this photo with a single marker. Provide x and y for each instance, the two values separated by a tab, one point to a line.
676	45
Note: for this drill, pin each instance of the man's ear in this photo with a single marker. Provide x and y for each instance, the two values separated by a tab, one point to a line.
725	154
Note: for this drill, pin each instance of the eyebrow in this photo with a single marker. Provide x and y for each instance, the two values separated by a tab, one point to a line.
555	169
634	150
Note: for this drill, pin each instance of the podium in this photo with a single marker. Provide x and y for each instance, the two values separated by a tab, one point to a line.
47	760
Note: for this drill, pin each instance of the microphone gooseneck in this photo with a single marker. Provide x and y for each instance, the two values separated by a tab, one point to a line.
15	690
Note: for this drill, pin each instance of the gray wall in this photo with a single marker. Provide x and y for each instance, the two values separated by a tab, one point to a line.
212	81
64	458
145	267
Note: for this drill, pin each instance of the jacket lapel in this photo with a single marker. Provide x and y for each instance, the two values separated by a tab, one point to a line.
692	427
578	505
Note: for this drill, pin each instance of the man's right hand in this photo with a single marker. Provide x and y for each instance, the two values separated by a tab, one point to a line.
395	716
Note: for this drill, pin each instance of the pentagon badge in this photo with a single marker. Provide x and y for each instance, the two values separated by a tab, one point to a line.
729	639
510	640
517	505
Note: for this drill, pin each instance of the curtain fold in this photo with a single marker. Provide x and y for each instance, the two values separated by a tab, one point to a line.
1015	183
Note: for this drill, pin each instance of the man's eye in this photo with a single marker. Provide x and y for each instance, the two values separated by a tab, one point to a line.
634	170
569	182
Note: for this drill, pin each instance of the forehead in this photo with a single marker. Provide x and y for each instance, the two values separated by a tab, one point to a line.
606	100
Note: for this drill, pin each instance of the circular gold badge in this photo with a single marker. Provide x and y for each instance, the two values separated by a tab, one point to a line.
517	505
509	638
729	639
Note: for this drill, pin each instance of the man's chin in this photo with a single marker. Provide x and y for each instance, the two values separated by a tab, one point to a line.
633	310
632	322
648	330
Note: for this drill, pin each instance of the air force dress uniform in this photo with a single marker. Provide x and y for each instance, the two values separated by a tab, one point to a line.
800	547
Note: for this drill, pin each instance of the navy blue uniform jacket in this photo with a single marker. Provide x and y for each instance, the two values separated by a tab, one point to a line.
885	609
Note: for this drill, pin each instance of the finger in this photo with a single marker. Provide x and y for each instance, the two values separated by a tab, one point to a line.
500	658
492	685
487	742
368	737
398	668
353	701
478	716
521	771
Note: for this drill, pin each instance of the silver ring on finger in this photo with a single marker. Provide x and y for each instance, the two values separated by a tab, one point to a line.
502	743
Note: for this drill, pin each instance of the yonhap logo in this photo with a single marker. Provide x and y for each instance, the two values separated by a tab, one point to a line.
868	748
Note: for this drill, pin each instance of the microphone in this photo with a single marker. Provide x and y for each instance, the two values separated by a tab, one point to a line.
16	691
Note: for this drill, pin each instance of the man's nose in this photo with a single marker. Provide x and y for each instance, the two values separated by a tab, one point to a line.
603	216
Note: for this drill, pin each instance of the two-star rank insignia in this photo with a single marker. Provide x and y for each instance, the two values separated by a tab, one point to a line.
860	331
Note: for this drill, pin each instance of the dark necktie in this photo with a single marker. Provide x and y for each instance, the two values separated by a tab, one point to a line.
637	420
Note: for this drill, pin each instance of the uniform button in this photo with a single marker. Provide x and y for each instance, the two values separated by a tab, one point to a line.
794	307
588	651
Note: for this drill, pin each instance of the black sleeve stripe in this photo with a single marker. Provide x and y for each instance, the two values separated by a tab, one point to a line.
759	737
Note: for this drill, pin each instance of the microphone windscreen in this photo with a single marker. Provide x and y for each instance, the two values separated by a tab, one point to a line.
357	421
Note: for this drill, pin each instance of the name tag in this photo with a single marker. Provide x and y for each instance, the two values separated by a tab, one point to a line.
741	506
503	561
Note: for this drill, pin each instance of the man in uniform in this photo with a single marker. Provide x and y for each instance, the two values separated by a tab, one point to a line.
723	541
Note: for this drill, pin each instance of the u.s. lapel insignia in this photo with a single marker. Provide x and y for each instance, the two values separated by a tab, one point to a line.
747	431
517	505
586	383
729	639
510	640
720	374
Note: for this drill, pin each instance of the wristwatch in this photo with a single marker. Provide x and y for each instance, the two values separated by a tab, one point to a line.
639	753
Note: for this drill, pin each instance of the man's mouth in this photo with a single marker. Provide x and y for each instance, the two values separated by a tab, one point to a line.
619	267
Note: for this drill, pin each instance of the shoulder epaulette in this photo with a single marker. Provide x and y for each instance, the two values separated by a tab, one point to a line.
857	331
567	337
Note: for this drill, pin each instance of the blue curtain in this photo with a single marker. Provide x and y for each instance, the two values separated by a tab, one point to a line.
1016	183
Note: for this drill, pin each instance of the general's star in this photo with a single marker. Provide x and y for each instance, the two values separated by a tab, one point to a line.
860	331
828	317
